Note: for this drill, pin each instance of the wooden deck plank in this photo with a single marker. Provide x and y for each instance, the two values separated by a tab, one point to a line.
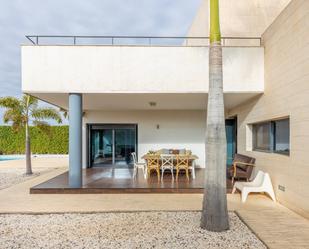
120	180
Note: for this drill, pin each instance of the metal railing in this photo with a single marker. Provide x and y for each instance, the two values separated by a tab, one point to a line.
139	40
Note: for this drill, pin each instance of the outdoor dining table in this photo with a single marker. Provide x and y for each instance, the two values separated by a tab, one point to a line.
192	158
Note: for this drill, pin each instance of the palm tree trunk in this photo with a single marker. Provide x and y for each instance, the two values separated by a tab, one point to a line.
28	145
214	214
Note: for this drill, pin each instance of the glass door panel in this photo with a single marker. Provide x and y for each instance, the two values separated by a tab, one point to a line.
124	146
102	147
230	127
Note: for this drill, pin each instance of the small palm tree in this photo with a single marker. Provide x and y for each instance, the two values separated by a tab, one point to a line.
23	112
214	215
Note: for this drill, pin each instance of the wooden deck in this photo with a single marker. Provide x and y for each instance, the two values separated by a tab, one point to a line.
120	180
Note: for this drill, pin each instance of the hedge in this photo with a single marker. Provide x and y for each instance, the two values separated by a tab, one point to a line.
56	142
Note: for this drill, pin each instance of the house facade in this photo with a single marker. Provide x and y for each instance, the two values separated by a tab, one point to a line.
136	94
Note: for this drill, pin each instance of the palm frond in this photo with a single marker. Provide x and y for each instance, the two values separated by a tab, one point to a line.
17	126
29	101
43	126
13	115
9	102
46	113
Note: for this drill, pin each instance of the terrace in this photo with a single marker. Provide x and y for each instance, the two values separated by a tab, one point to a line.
132	80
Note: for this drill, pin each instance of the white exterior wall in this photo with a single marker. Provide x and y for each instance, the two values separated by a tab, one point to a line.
178	129
136	69
238	18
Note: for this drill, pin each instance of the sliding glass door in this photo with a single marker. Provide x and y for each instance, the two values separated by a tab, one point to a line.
111	144
125	140
102	147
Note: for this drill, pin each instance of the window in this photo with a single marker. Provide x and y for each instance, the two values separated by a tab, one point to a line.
272	136
262	136
282	136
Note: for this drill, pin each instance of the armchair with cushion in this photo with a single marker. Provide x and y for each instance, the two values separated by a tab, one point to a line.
242	167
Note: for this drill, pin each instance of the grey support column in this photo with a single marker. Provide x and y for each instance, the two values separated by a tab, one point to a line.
75	140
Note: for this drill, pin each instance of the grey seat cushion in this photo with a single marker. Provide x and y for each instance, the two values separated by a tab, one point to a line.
165	151
182	151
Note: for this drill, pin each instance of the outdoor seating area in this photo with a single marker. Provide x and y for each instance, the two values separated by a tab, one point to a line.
166	160
162	171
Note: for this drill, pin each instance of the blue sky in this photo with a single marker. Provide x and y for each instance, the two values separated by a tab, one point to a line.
83	17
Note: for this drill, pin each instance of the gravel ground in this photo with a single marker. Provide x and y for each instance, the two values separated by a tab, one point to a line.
121	230
10	177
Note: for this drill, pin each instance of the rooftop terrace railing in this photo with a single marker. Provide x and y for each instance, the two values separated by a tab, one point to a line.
139	40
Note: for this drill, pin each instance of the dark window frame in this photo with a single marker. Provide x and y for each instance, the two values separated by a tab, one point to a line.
272	137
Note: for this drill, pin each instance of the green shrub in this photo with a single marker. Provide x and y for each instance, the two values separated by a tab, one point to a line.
56	142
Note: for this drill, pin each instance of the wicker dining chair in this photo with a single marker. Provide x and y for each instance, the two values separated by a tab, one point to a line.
182	163
153	163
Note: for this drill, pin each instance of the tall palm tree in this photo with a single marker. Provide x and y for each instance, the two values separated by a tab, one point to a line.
214	214
21	113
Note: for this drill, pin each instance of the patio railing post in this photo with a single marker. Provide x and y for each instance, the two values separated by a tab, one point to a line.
75	140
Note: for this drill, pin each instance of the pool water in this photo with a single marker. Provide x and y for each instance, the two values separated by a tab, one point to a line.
11	157
19	157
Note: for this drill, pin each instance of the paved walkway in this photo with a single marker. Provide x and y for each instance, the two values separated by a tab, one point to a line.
276	225
107	202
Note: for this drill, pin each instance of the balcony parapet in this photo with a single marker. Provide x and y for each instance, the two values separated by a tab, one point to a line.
131	69
140	40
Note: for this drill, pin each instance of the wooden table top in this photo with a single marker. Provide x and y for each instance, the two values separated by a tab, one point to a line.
146	156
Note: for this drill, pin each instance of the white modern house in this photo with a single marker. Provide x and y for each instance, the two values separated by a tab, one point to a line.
136	94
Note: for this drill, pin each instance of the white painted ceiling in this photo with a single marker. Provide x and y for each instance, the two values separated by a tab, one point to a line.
141	101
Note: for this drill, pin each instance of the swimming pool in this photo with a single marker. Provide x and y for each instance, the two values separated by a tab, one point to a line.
19	157
11	157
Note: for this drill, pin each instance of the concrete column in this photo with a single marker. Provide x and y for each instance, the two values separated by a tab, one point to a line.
75	140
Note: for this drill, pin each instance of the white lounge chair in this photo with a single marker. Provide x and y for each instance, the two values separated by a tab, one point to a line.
138	165
261	183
